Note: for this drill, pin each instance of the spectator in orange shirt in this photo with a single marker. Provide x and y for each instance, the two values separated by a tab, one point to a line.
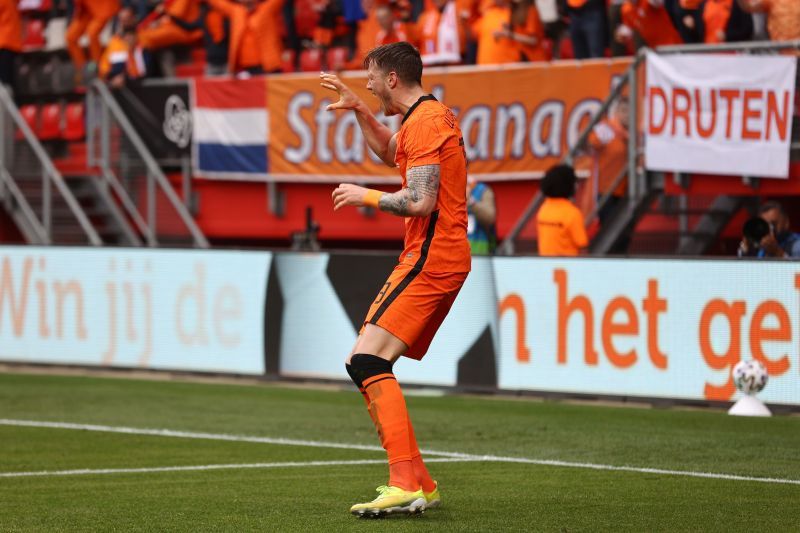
123	59
368	28
559	223
687	16
328	13
159	31
651	21
391	29
609	147
616	47
783	17
88	17
10	39
215	28
716	14
493	33
256	36
509	32
527	30
783	24
726	22
441	33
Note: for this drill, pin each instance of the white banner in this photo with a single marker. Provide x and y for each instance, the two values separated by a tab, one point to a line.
651	328
719	114
161	309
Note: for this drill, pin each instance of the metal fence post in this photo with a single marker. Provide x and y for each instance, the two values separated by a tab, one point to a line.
128	170
47	206
4	138
91	126
186	184
683	220
151	209
105	135
633	130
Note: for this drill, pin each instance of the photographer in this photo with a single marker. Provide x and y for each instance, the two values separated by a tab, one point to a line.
768	235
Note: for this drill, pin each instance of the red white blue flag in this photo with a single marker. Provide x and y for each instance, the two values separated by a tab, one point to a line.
231	128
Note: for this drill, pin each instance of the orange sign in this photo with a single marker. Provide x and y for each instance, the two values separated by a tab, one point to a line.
517	121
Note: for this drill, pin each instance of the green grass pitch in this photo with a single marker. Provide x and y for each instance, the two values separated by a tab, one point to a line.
478	495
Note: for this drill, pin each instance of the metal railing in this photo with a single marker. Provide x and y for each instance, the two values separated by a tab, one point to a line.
138	182
508	246
642	183
32	190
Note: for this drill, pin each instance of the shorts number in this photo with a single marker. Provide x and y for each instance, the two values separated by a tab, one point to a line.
383	292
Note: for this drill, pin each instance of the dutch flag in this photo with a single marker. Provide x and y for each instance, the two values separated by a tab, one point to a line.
231	129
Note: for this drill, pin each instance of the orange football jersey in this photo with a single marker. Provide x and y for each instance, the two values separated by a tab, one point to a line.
430	136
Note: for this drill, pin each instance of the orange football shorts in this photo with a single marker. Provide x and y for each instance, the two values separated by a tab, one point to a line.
413	304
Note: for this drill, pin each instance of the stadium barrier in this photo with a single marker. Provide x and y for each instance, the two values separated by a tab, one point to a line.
668	329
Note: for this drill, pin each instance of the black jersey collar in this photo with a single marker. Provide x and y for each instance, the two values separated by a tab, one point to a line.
416	104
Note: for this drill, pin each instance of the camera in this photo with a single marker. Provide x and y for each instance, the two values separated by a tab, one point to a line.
754	230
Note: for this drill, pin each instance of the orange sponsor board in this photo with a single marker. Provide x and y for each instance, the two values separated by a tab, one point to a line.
516	121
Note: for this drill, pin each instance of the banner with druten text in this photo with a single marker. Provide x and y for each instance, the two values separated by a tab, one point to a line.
717	114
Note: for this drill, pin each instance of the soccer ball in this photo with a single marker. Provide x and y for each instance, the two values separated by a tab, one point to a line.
750	377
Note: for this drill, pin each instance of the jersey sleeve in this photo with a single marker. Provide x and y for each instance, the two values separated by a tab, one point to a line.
423	143
577	231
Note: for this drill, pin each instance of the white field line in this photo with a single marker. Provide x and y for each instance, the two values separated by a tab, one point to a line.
147	470
339	445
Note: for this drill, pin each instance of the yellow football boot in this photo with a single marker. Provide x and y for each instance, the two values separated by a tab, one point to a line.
391	500
433	499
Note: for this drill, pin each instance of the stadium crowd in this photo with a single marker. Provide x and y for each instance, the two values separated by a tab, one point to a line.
246	37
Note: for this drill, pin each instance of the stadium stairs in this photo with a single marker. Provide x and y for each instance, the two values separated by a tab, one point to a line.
83	185
50	182
703	215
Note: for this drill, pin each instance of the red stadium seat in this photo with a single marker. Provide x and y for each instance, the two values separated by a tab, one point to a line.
337	58
30	113
75	126
565	50
287	60
311	60
50	122
190	70
33	35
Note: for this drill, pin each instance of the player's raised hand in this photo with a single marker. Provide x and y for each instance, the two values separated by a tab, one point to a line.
347	98
348	194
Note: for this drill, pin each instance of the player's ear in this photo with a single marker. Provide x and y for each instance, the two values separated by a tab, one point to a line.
392	79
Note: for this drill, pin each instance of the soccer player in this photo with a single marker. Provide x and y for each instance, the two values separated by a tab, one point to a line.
429	153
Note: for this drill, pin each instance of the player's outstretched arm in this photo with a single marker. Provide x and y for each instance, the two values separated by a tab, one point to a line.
417	199
379	138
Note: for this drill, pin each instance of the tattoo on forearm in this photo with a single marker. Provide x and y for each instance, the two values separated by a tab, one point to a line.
422	182
396	203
